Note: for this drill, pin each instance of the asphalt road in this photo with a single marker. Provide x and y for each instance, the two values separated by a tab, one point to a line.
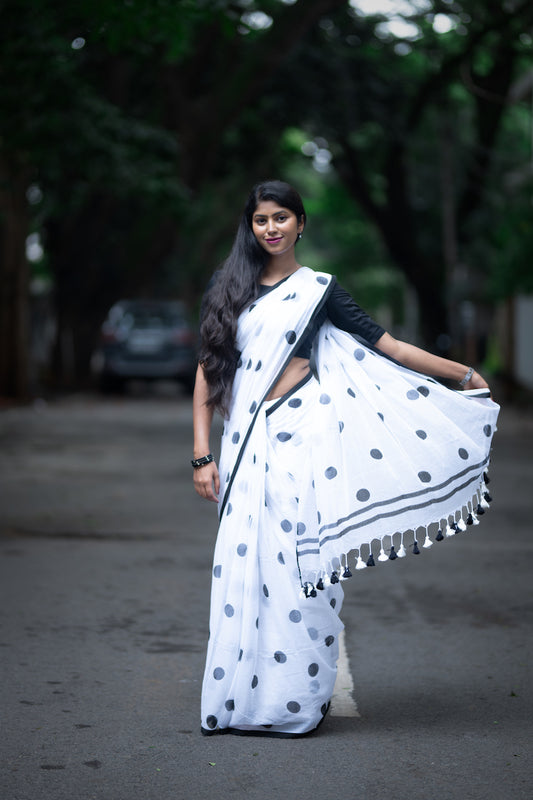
104	575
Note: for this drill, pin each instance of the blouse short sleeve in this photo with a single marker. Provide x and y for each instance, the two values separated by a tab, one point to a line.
344	313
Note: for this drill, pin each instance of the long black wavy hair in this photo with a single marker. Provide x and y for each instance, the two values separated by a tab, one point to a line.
234	287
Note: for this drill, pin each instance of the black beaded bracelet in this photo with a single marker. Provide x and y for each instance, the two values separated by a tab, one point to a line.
201	462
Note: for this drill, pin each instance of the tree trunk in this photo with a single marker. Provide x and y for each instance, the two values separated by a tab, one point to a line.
14	282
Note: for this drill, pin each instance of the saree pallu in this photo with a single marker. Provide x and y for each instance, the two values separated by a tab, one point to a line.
313	485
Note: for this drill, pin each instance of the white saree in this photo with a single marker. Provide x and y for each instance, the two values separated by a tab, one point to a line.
316	484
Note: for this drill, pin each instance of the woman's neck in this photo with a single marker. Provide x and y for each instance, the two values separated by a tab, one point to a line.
277	269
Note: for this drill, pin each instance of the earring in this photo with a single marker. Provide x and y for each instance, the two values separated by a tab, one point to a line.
299	236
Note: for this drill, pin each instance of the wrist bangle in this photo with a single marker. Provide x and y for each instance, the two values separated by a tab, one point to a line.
201	462
467	377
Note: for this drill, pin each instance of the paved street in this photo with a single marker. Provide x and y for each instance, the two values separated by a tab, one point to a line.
105	571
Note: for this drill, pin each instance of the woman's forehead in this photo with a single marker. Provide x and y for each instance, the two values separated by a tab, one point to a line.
268	207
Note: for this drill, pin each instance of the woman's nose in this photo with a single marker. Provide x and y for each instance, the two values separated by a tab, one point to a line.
271	226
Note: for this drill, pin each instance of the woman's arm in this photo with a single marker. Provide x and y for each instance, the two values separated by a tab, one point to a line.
422	361
206	478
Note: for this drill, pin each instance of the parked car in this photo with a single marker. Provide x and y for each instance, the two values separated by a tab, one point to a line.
148	340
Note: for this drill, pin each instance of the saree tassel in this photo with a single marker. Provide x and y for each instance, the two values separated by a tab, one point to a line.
486	478
487	497
427	541
475	520
360	563
401	551
334	578
320	584
461	524
450	530
370	561
470	519
382	555
480	509
393	553
440	536
346	573
416	550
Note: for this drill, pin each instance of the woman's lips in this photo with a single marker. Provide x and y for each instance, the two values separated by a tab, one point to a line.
275	241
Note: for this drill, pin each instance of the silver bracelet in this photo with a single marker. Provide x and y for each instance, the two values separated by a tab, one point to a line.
467	377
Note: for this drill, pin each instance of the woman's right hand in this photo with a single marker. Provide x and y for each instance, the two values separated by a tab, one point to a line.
207	481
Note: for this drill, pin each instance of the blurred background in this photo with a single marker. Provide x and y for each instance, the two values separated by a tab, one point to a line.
132	131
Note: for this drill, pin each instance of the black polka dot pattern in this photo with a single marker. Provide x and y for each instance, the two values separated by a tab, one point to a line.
288	659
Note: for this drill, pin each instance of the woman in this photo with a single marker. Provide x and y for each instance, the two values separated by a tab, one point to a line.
312	468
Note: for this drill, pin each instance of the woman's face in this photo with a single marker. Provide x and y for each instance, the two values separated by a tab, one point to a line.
275	228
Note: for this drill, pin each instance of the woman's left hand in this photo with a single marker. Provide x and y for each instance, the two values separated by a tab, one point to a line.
476	382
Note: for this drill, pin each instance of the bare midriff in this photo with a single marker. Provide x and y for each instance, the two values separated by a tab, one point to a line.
295	371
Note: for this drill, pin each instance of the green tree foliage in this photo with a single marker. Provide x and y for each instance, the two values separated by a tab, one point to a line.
418	132
144	122
137	124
